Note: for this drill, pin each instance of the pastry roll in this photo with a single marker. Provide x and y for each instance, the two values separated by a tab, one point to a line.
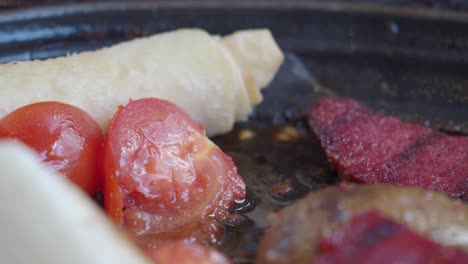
47	220
217	80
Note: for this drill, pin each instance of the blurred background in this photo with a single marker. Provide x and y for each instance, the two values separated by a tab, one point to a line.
460	5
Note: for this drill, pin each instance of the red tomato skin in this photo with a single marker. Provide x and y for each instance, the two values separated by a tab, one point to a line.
66	138
168	173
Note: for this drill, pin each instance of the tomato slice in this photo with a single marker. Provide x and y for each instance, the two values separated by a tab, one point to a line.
187	253
206	232
162	172
67	139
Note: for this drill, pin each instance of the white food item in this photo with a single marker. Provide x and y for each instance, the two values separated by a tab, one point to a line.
47	220
216	80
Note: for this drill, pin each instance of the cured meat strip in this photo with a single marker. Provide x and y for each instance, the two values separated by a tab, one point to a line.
369	147
372	238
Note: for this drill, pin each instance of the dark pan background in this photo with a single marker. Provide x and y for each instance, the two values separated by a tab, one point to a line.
458	5
411	62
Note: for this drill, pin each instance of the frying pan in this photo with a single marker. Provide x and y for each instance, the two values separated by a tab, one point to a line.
408	62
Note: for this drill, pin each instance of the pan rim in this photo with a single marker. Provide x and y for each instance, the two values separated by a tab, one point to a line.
51	11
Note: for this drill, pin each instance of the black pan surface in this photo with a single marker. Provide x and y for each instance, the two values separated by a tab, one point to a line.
409	62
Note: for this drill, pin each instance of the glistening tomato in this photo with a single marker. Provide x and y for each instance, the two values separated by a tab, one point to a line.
66	138
162	172
183	252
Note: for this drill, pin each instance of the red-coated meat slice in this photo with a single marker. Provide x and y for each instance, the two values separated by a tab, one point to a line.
372	238
369	147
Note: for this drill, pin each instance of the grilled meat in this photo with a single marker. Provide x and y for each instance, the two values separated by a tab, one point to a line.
372	238
295	231
369	147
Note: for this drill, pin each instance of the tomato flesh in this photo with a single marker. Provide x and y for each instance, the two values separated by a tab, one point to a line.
66	138
206	232
187	253
162	172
